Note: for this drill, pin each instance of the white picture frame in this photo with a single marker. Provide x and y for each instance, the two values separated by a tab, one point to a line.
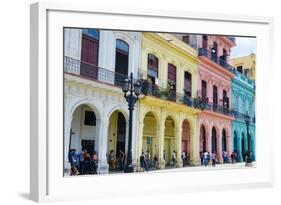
46	100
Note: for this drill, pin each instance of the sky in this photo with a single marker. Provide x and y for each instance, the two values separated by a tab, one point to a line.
244	46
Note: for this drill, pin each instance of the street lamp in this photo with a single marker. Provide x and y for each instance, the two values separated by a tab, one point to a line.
131	93
247	118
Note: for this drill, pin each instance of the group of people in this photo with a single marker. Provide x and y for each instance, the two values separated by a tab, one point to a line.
83	162
116	164
145	161
206	157
147	164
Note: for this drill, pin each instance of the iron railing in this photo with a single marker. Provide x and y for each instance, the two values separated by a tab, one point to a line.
240	116
150	89
216	59
99	74
93	72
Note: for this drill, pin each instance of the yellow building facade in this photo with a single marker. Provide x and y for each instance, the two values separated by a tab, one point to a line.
167	117
245	65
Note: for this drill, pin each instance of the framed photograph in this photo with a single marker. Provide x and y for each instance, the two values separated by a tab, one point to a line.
132	102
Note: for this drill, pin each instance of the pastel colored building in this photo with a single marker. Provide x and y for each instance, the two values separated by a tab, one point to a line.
243	102
245	65
214	84
95	112
167	117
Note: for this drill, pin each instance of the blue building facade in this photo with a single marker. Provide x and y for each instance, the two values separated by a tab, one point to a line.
243	102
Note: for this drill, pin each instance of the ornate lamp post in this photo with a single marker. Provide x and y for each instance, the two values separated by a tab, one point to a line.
131	93
247	118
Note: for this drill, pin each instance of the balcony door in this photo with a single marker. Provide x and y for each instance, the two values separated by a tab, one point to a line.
121	61
187	84
89	53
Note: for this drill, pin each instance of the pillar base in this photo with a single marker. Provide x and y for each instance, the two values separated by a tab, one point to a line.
195	162
103	168
162	164
179	163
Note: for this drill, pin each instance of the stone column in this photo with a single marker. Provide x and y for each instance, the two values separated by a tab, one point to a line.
160	135
102	138
178	136
195	140
229	146
219	148
67	127
140	141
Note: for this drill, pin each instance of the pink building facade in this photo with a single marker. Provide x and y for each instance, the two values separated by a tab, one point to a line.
214	86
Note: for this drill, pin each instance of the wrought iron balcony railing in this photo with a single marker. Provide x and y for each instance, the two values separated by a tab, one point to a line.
93	72
150	89
99	74
216	59
240	116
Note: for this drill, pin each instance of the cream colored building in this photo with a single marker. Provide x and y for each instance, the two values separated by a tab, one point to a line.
245	65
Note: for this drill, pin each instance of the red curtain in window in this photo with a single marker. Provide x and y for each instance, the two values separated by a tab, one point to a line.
89	57
89	53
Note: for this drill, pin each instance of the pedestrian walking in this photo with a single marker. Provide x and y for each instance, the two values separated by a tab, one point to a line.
142	161
205	159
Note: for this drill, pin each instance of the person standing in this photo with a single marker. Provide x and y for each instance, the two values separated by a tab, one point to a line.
147	161
155	161
183	157
81	162
111	160
213	159
142	161
205	158
121	160
174	157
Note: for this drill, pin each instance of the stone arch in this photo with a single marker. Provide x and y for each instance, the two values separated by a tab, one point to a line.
85	102
120	109
147	110
186	137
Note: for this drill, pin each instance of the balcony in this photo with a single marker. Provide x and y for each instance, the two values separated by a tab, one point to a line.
216	59
93	72
149	89
244	79
240	116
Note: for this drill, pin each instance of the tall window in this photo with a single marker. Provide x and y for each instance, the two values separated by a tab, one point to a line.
187	83
225	99
121	61
90	118
152	67
89	53
215	95
172	76
204	89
